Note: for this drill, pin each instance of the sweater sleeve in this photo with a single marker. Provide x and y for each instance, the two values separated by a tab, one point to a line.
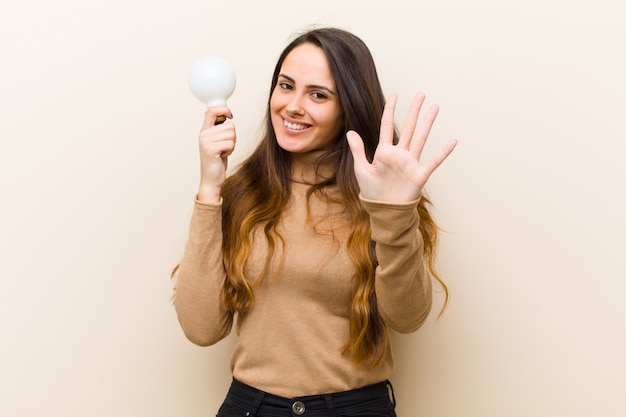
403	282
197	295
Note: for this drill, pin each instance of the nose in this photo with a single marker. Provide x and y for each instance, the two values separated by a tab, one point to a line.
295	107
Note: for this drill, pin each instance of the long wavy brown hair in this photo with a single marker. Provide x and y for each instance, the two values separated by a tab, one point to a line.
256	195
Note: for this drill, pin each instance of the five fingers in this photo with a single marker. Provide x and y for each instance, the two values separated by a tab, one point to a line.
410	140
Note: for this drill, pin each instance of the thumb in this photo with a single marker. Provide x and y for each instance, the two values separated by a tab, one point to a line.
356	147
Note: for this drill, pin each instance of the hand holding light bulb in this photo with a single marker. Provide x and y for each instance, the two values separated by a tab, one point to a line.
212	81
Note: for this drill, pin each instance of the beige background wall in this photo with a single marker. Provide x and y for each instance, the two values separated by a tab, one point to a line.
98	168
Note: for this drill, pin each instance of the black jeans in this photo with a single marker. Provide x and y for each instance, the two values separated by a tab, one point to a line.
372	401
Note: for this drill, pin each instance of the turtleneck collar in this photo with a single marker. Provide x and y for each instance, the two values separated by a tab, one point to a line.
305	168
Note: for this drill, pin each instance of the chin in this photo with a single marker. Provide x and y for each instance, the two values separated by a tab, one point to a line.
290	149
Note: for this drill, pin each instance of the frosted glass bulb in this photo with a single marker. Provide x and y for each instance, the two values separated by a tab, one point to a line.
212	80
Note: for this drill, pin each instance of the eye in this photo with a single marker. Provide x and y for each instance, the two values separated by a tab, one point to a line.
285	86
319	96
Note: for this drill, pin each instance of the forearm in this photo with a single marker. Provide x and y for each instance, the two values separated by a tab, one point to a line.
403	287
197	297
403	283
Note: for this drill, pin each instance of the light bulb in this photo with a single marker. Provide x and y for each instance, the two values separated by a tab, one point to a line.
212	80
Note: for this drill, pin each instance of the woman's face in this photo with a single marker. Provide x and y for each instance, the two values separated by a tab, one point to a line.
304	106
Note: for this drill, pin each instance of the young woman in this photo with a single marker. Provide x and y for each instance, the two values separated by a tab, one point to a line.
318	244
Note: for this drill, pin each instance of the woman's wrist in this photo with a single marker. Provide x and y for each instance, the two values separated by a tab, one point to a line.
209	194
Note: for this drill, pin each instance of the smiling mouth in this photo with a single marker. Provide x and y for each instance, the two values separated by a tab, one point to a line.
294	126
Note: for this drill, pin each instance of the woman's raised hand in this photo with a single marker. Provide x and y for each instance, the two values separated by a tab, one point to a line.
396	173
217	143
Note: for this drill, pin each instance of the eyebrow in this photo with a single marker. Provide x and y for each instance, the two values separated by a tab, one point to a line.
310	86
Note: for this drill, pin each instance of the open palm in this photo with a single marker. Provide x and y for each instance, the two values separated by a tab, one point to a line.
396	174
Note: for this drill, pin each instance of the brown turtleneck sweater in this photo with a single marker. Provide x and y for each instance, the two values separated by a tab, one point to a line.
289	343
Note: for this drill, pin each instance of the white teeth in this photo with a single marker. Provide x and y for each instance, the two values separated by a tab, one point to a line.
294	126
